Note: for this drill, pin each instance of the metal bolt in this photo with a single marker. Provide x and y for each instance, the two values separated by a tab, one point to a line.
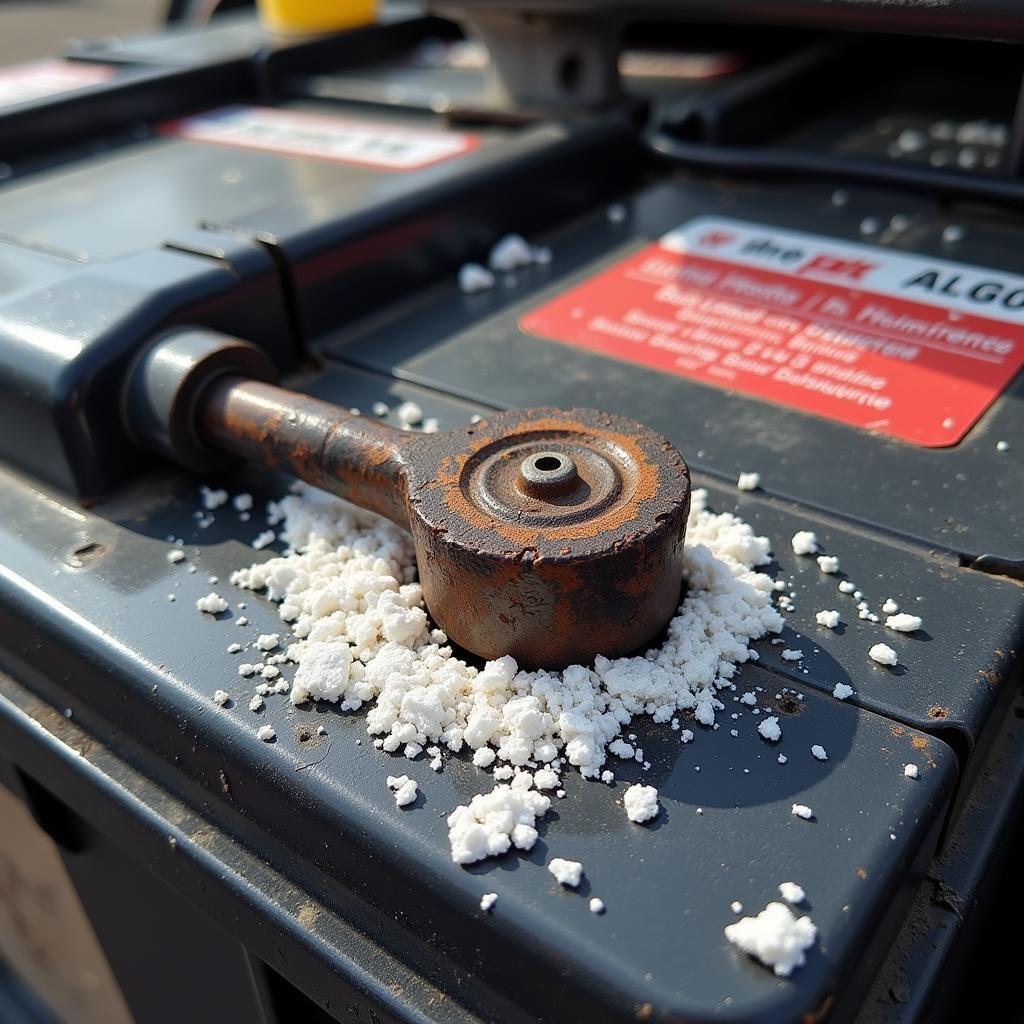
547	474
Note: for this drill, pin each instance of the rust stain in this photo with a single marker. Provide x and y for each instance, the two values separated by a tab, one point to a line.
821	1012
862	873
919	742
938	712
644	486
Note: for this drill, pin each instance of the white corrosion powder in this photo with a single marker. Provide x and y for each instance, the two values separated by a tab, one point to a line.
213	604
511	253
776	937
566	872
641	803
841	691
268	641
266	733
890	607
494	822
221	697
828	617
488	900
212	498
792	893
749	481
405	789
805	542
794	655
474	278
175	555
911	771
883	654
347	587
769	729
596	905
903	623
802	811
818	752
409	414
828	564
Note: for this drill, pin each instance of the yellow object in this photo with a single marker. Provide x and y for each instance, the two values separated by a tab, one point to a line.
302	16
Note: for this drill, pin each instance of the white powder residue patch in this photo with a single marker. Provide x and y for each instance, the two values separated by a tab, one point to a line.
347	587
212	604
266	733
474	278
828	564
911	771
841	691
212	498
805	542
566	872
883	654
641	803
511	253
265	539
492	823
828	618
776	937
890	607
769	729
903	623
819	753
802	811
221	697
596	905
488	900
792	893
405	789
749	481
409	414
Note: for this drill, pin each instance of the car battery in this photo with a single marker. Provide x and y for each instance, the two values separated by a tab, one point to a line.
299	197
279	872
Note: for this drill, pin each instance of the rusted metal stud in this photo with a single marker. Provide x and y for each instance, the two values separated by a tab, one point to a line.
551	535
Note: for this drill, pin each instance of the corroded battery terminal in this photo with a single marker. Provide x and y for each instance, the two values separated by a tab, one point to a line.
551	535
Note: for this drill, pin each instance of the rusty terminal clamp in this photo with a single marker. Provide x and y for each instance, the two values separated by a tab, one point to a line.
553	536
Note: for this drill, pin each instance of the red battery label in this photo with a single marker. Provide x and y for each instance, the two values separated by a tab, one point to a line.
388	147
897	343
